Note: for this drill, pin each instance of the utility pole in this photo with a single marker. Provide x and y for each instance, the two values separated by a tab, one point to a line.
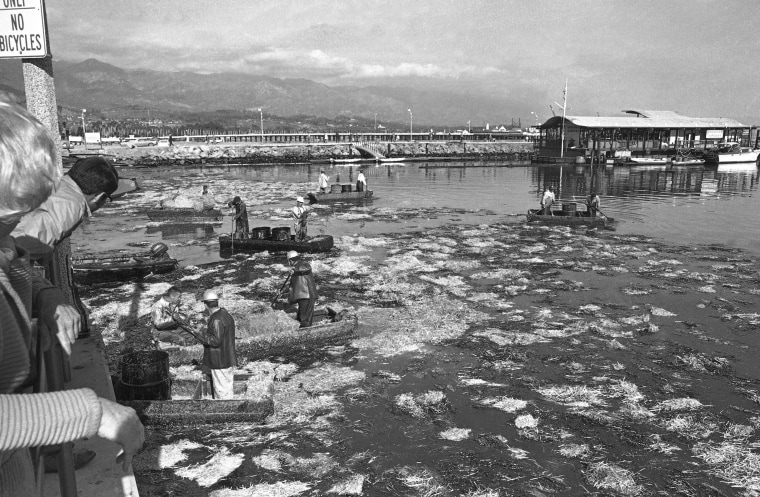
411	121
564	108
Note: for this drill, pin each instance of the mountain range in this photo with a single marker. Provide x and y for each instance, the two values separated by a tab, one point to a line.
98	86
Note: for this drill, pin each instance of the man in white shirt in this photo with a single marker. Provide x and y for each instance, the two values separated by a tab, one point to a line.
547	200
323	181
361	182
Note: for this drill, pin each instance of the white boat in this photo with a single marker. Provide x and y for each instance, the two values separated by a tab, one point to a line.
731	152
391	159
654	161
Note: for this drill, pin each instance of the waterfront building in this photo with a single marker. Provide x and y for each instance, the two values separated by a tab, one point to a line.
639	133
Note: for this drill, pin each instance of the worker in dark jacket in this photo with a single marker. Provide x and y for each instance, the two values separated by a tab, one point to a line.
219	346
240	218
303	290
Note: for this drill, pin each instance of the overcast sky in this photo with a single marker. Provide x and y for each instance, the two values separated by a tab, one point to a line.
697	57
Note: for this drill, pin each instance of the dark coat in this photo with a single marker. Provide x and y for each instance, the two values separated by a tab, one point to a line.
219	341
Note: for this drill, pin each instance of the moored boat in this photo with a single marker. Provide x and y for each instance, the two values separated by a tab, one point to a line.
731	152
315	197
568	218
88	270
320	243
184	213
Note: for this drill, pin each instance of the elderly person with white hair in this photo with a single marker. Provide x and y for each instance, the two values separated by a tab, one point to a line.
28	174
300	213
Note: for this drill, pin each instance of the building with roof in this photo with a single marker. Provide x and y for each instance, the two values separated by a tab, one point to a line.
639	133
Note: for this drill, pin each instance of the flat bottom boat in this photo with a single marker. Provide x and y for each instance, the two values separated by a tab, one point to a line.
186	214
106	269
315	197
568	218
321	243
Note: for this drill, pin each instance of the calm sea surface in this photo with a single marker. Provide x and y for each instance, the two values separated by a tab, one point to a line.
685	205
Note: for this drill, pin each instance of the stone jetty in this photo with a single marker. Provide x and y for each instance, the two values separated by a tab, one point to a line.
289	153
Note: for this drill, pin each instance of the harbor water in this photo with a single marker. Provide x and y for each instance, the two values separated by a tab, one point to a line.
688	205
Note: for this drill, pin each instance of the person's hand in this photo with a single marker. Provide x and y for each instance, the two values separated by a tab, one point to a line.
60	320
120	424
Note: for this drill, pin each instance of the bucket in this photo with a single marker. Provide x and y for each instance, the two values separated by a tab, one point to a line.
281	234
336	188
145	375
569	208
262	233
346	187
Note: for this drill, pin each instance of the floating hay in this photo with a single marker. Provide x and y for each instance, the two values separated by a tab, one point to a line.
575	451
500	274
482	492
589	309
279	489
674	405
219	466
706	289
574	396
734	463
635	290
627	390
269	460
329	377
506	338
657	445
345	266
608	476
478	382
704	363
455	434
419	406
172	454
657	311
506	404
352	485
690	428
526	422
423	481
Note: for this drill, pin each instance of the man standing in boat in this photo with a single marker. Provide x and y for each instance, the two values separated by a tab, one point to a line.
592	204
323	181
300	214
240	217
219	347
361	182
547	200
303	290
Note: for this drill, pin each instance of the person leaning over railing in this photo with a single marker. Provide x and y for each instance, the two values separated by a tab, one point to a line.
28	173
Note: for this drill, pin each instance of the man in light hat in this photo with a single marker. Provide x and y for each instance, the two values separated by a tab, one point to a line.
323	181
300	213
219	346
303	290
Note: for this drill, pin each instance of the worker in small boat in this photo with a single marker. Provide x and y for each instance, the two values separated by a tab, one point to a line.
300	215
219	347
159	251
592	204
166	316
83	190
547	200
207	199
361	182
324	181
303	290
240	217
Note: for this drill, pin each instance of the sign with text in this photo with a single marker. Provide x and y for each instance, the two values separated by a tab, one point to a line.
22	29
713	134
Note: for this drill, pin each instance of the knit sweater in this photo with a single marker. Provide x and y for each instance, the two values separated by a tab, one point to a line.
30	420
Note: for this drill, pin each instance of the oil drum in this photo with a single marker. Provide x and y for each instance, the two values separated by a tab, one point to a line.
336	188
262	233
144	375
569	208
346	187
281	233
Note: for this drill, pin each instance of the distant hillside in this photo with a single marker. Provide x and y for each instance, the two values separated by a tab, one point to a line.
99	86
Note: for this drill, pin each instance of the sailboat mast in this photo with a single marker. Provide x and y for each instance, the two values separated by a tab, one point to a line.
564	107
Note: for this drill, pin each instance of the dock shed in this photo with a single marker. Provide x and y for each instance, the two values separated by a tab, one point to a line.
639	133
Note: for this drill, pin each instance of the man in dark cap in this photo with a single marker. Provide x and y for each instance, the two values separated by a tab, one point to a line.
84	189
240	217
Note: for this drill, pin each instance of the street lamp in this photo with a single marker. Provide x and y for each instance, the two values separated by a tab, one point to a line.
84	133
375	122
411	124
536	117
261	116
468	125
